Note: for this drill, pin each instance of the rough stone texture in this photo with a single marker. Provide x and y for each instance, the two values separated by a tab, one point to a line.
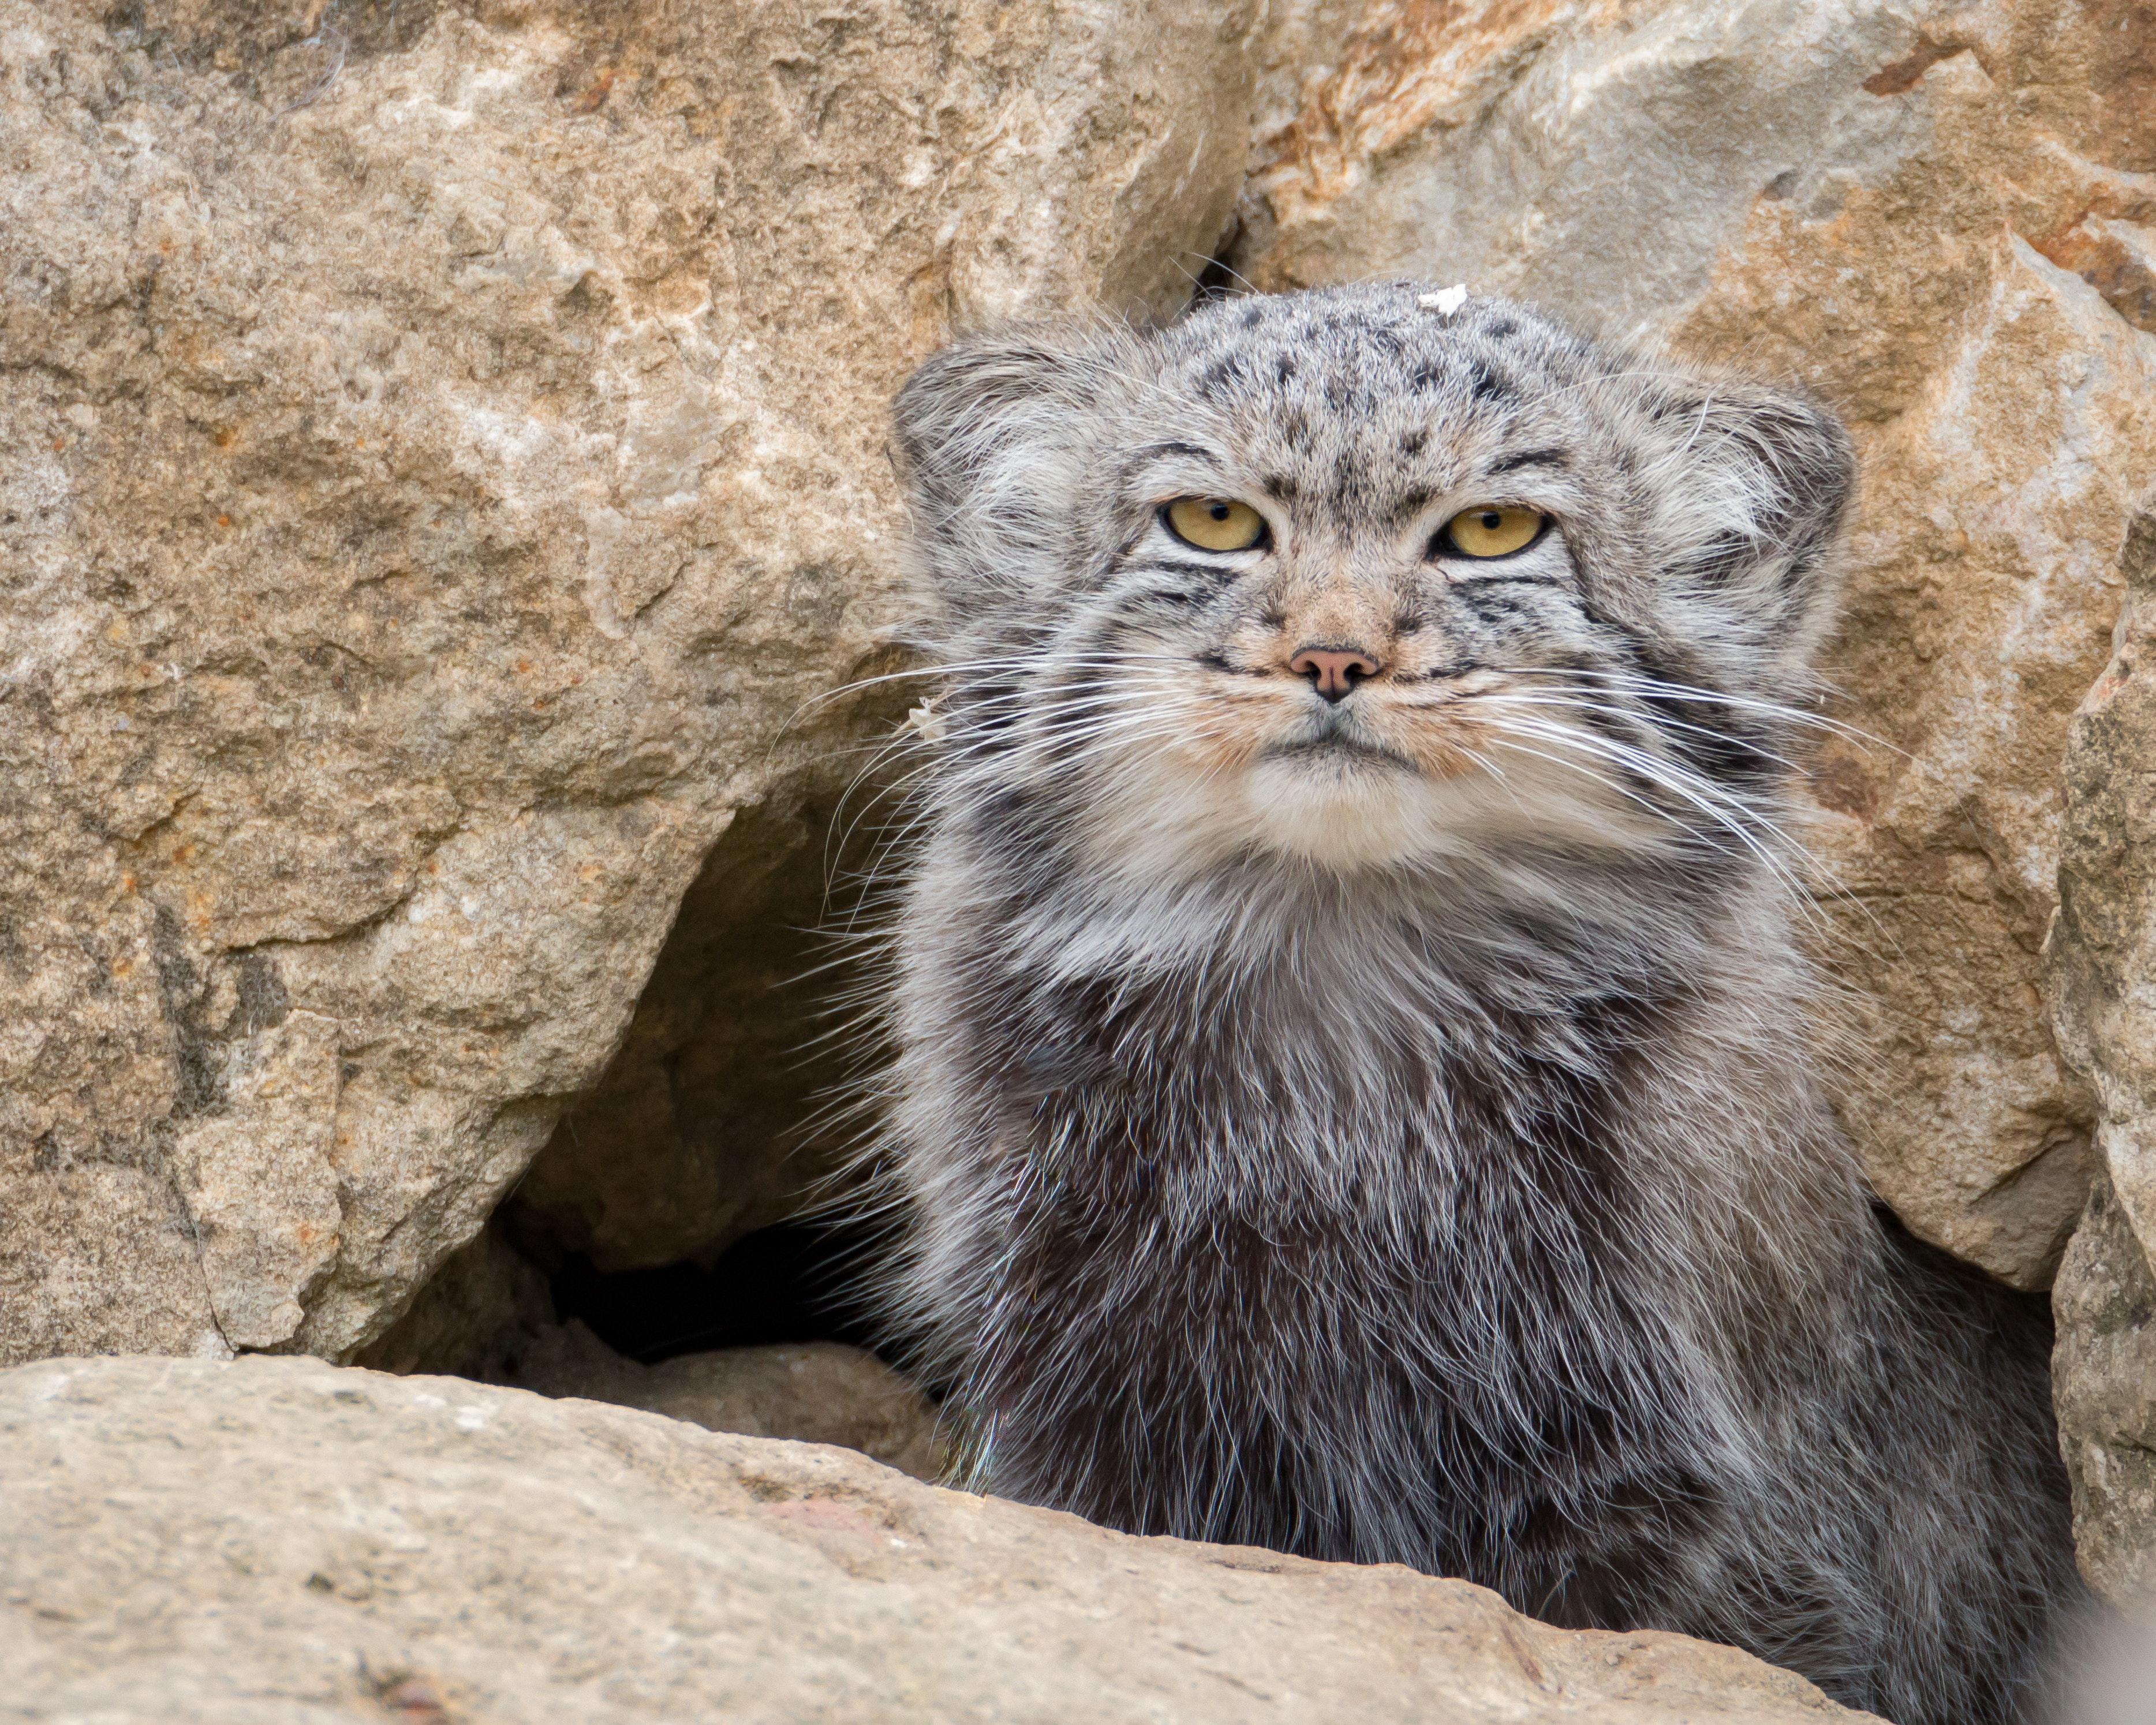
815	1393
440	448
2103	951
487	1314
1938	216
484	1310
273	1540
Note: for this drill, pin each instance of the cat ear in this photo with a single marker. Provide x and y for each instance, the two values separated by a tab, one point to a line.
1755	486
991	438
975	398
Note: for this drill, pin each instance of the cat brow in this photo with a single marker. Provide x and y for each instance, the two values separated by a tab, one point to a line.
1128	468
1149	451
1528	458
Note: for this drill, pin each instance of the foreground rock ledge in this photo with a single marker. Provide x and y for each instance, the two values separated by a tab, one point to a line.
282	1540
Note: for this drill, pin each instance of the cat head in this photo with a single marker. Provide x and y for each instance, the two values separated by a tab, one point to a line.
1369	576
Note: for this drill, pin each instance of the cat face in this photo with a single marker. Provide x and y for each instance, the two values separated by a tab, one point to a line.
1342	579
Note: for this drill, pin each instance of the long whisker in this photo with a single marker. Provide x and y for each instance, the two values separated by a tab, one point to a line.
1725	810
1826	875
1631	682
1512	698
1729	813
959	669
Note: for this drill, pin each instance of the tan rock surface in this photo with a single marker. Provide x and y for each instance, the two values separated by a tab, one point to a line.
487	1314
812	1392
441	447
1936	216
273	1540
2103	951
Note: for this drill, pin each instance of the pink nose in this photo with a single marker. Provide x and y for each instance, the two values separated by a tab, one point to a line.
1332	672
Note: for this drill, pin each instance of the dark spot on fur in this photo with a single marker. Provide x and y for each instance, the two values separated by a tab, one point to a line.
1213	659
1528	458
1492	600
1211	576
1486	385
1412	441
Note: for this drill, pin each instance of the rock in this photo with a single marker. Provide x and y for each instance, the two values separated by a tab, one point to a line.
2103	952
280	1540
487	1308
1937	217
814	1391
2104	1381
487	1314
442	453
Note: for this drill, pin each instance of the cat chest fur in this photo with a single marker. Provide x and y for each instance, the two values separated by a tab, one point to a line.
1366	1260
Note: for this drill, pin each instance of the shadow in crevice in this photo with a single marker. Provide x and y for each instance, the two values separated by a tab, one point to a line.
797	1281
726	1105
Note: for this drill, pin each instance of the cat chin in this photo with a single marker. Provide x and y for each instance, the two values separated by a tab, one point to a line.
1355	816
1349	811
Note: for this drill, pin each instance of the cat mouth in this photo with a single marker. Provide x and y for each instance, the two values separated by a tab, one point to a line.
1334	743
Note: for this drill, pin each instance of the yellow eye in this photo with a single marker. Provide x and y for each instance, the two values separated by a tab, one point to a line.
1492	531
1215	523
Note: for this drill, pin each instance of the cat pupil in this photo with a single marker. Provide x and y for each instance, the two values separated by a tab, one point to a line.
1220	512
1491	519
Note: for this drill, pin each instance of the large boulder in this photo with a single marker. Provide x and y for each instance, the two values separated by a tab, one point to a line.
442	452
2104	957
1938	216
279	1540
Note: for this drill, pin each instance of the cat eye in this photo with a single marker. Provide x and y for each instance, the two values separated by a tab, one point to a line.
1214	523
1490	531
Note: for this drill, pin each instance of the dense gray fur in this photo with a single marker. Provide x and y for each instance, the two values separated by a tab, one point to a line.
1383	1129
